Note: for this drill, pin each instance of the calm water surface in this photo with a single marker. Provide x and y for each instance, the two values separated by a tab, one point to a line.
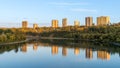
59	54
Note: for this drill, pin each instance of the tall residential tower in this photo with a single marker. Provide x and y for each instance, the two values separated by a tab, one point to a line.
35	26
76	23
55	23
64	22
103	21
24	24
88	21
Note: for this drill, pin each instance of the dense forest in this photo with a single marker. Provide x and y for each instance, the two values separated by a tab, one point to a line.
11	35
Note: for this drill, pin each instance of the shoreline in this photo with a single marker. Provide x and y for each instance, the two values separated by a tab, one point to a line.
17	42
56	38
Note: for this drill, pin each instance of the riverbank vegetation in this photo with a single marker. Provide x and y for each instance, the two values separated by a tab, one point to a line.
95	33
11	35
99	33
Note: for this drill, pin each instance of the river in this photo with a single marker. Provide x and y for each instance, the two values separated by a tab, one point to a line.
59	54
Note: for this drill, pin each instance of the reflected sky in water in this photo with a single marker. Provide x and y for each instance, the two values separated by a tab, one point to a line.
50	55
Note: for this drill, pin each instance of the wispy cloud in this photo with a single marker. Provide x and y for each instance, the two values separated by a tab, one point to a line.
68	3
84	10
74	4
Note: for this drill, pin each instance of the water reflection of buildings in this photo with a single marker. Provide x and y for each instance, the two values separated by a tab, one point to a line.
35	46
24	48
54	50
104	55
76	51
89	53
64	51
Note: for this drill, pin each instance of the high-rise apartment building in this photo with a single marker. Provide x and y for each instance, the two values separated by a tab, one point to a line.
103	20
35	26
55	23
24	24
64	22
76	23
88	21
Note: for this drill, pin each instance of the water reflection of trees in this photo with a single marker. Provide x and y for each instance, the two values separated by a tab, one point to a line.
103	50
8	48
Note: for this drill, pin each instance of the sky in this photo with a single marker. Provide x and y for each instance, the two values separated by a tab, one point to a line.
13	12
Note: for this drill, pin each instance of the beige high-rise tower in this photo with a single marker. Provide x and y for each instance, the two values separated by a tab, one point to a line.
55	23
35	26
88	21
76	23
64	22
103	20
24	24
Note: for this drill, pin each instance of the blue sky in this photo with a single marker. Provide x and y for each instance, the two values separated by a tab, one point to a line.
12	12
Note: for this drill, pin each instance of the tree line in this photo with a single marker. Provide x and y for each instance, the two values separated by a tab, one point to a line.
94	33
11	35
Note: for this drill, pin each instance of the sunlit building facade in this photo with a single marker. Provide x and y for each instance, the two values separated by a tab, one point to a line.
24	24
103	21
35	26
89	21
76	23
64	22
55	23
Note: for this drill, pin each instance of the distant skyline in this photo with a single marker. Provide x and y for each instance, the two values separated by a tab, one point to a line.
13	12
